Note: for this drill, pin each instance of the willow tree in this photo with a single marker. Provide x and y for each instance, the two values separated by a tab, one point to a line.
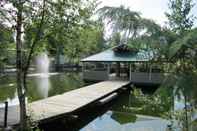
127	22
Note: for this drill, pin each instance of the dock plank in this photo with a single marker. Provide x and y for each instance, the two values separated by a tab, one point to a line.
65	103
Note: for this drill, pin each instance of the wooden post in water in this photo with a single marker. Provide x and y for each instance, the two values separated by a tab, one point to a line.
5	114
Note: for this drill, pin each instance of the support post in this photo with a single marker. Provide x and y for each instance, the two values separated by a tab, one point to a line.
108	70
130	71
150	72
5	114
82	70
118	69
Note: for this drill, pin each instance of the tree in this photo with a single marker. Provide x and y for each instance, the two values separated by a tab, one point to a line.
65	19
182	52
127	22
183	76
18	14
179	16
88	41
121	19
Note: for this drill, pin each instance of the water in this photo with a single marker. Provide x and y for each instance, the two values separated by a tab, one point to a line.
116	118
41	84
39	87
115	121
122	114
110	117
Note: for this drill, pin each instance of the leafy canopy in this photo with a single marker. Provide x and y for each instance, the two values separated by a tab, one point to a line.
179	16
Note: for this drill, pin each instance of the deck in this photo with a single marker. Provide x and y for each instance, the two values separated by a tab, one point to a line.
66	103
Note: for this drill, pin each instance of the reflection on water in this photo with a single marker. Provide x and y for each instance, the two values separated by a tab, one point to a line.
11	102
109	117
42	74
119	121
39	86
43	85
118	118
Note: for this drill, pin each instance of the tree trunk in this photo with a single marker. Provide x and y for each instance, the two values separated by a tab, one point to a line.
20	89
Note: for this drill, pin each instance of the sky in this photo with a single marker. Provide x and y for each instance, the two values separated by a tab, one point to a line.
152	9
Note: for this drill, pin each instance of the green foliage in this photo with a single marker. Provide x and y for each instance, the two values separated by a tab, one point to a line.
63	19
87	40
183	53
185	47
157	104
8	92
68	30
6	45
158	40
115	40
183	74
179	15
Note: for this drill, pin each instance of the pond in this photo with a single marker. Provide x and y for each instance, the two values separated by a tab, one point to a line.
39	86
118	118
113	116
143	108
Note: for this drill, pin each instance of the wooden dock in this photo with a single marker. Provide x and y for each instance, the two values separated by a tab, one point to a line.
66	103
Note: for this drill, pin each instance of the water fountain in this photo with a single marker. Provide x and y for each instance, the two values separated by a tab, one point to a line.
42	76
42	64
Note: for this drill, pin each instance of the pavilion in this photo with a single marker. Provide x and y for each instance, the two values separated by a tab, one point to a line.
122	62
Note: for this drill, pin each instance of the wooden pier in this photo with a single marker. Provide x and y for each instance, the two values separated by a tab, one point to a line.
65	104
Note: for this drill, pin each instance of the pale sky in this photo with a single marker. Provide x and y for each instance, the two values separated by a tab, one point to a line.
152	9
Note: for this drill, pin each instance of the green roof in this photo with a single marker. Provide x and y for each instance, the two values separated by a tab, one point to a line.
110	56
